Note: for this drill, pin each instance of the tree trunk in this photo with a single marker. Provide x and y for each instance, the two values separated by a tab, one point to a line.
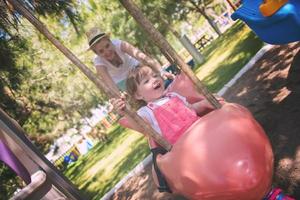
167	49
145	127
203	13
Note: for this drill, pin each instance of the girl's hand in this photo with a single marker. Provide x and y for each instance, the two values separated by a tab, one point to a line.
207	105
119	104
220	99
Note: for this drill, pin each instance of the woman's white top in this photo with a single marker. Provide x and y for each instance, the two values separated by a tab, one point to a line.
146	112
120	73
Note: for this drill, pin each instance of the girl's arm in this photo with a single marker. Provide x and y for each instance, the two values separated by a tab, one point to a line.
104	75
139	55
202	107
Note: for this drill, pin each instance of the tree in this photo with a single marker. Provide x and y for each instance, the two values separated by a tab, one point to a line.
11	46
180	10
31	79
200	7
16	58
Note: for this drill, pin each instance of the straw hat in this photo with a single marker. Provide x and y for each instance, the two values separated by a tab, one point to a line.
94	35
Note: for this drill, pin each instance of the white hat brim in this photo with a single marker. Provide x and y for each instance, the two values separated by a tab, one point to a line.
97	40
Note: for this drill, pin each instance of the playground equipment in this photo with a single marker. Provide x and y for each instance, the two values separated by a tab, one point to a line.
7	156
223	155
37	184
43	180
218	158
270	7
72	157
274	21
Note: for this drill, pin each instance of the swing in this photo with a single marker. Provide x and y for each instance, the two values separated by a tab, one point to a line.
219	158
274	21
223	155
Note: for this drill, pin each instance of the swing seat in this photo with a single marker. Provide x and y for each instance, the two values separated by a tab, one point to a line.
183	85
282	27
223	155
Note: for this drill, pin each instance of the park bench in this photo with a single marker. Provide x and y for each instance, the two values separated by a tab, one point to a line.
203	41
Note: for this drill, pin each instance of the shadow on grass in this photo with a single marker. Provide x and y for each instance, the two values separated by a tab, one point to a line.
139	151
222	41
96	185
237	59
240	53
76	171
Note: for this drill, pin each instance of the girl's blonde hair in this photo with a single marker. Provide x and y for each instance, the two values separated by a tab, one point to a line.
134	78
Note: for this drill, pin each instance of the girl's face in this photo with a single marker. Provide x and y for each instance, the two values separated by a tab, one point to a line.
151	86
105	49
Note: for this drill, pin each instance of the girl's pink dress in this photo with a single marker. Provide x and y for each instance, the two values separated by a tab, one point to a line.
173	118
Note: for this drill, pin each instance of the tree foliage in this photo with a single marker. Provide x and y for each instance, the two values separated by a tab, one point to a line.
21	83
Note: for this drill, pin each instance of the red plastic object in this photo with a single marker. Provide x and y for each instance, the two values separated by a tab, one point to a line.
185	87
223	155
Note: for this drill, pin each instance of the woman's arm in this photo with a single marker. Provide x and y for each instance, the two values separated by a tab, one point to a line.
139	55
104	75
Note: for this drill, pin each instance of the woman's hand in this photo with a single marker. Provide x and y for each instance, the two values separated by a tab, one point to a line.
166	75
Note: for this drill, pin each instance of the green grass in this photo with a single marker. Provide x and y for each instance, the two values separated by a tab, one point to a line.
227	55
106	164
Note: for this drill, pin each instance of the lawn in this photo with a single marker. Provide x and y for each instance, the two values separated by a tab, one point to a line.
106	164
227	55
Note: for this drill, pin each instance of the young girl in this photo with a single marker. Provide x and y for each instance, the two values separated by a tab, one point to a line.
167	112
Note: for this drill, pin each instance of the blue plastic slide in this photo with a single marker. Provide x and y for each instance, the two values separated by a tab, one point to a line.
280	28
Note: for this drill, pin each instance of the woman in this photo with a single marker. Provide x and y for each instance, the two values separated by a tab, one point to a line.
114	58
